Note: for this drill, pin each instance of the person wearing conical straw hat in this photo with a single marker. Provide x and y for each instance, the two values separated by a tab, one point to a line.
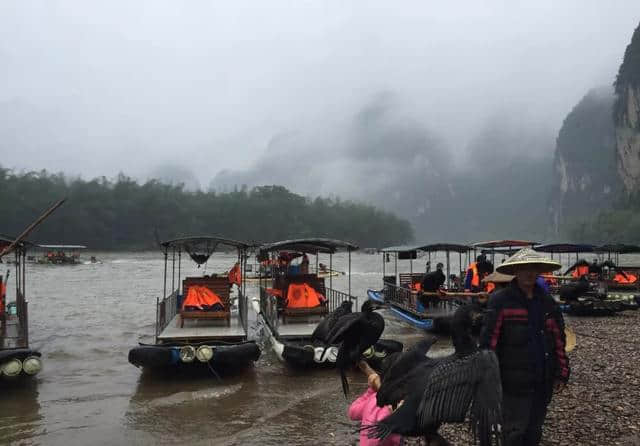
524	326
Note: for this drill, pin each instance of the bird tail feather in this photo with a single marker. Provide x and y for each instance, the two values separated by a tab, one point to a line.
345	383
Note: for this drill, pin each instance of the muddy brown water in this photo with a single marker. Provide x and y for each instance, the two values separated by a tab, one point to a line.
85	318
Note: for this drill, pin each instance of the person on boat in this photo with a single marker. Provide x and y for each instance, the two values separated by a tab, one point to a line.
477	271
432	281
524	326
235	275
304	265
595	268
366	410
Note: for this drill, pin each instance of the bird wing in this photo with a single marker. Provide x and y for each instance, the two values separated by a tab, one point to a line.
323	329
342	326
486	409
449	391
392	389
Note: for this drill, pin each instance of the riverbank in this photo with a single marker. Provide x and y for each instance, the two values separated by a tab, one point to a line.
600	403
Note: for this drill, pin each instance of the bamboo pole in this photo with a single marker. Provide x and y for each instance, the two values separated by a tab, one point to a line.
32	226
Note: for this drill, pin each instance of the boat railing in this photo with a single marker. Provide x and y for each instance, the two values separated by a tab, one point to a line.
269	308
336	297
167	309
408	300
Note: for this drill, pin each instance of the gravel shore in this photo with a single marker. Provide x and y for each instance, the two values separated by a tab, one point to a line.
600	405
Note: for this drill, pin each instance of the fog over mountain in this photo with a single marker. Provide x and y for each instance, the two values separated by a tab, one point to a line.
385	103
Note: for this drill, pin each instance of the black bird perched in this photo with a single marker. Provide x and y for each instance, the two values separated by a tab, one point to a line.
321	333
355	332
394	383
442	390
572	291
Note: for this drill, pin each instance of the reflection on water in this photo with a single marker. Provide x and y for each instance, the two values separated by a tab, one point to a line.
20	418
84	319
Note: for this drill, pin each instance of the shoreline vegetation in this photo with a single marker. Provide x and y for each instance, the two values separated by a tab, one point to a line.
122	214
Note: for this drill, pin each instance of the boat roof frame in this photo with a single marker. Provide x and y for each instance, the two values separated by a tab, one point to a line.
618	248
67	247
181	242
432	247
564	248
492	244
313	245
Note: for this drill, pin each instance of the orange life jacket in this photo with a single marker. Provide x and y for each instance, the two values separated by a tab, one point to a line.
417	286
580	271
620	278
302	295
235	275
201	297
490	287
475	276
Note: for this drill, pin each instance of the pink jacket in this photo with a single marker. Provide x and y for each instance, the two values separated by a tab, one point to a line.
365	410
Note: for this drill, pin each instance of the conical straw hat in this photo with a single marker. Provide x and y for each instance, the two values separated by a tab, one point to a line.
496	277
528	257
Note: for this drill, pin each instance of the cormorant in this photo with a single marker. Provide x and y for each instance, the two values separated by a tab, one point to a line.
442	390
394	383
321	333
355	332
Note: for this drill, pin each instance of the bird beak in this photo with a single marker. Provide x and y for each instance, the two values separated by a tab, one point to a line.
378	306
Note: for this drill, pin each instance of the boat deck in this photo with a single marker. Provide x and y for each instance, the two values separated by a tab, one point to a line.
10	334
202	329
298	329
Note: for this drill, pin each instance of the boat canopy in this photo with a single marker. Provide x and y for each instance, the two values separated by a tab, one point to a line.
453	247
200	248
309	245
565	248
504	244
619	248
432	247
67	247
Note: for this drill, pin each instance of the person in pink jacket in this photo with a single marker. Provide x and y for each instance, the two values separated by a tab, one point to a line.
365	410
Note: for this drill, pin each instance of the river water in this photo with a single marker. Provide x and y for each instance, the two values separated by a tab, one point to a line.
85	318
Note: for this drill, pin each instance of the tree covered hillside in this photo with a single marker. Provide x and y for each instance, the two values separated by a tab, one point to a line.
123	214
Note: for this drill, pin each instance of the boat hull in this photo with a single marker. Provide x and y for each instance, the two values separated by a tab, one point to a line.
303	352
166	357
434	324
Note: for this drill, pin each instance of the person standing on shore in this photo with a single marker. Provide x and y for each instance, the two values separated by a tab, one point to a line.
524	326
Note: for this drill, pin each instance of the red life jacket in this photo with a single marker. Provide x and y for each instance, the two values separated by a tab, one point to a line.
620	278
235	275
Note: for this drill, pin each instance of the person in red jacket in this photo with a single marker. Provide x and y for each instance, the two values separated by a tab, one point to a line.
524	326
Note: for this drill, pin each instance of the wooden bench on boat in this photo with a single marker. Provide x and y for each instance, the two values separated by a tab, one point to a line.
317	283
220	286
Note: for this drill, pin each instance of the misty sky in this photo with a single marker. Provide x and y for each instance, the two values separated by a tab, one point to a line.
95	87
